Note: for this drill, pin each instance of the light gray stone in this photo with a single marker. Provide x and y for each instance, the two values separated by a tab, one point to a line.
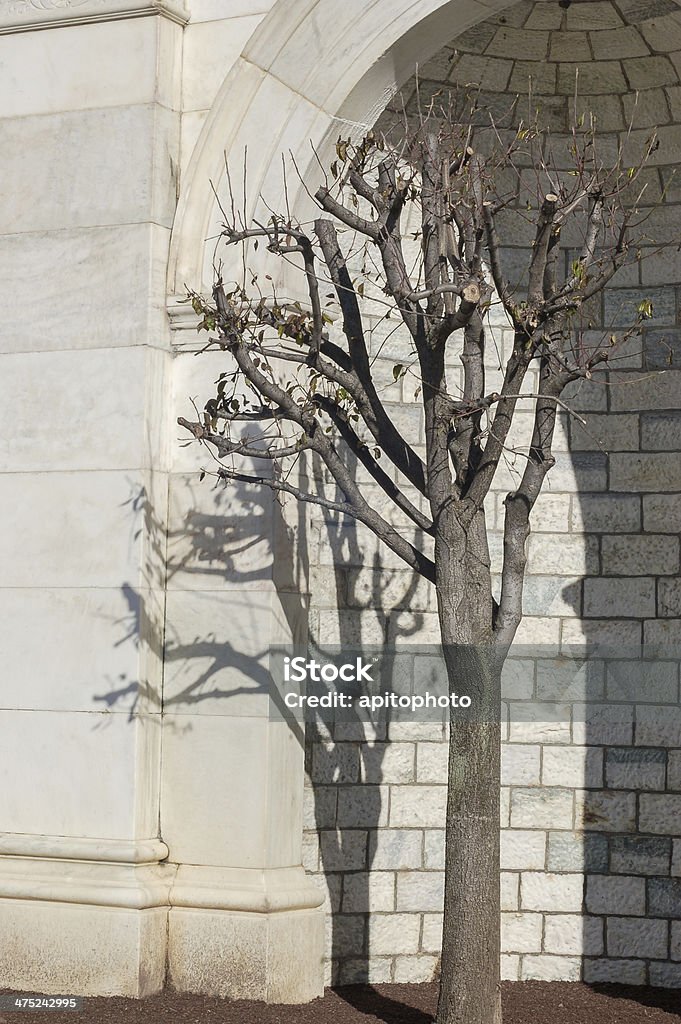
420	891
395	849
605	810
577	851
660	814
664	897
522	850
573	934
572	766
661	513
619	972
391	934
520	764
626	555
633	937
510	890
415	969
658	726
620	598
606	513
434	849
610	895
637	768
665	975
368	892
643	680
521	933
639	855
542	808
540	890
669	601
418	806
613	433
550	968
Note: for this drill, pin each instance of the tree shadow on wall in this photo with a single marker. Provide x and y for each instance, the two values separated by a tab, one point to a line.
186	652
346	762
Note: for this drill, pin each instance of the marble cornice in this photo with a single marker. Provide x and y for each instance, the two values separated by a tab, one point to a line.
29	15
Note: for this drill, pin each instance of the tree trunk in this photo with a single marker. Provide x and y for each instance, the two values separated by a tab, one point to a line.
470	981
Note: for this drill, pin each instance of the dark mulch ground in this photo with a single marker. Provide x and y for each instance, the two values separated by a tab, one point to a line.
524	1003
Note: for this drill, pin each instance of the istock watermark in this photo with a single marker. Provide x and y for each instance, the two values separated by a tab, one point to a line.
575	691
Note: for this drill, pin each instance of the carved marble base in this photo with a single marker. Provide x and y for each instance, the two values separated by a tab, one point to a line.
26	15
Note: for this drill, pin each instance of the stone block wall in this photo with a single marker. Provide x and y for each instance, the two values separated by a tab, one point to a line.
591	808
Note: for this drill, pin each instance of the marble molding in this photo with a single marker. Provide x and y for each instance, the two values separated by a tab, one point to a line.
25	15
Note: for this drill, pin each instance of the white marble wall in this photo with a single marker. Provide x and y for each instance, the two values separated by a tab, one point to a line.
90	152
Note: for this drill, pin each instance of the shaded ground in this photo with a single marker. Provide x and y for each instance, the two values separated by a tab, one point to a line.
524	1003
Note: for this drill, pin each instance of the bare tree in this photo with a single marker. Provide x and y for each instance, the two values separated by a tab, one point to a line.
302	381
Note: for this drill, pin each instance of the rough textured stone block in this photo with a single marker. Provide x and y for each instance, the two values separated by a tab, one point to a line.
565	555
375	970
615	972
621	305
431	762
551	892
395	849
627	555
675	943
638	768
388	762
362	806
595	724
645	472
640	855
415	969
665	975
669	600
609	895
577	851
674	769
517	678
665	897
605	810
660	814
521	933
510	967
539	722
622	598
344	851
391	934
661	513
434	849
636	937
568	679
414	806
663	634
510	890
520	764
645	393
420	890
522	850
431	934
581	767
542	808
658	726
368	891
613	433
335	762
661	431
573	934
643	680
550	968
